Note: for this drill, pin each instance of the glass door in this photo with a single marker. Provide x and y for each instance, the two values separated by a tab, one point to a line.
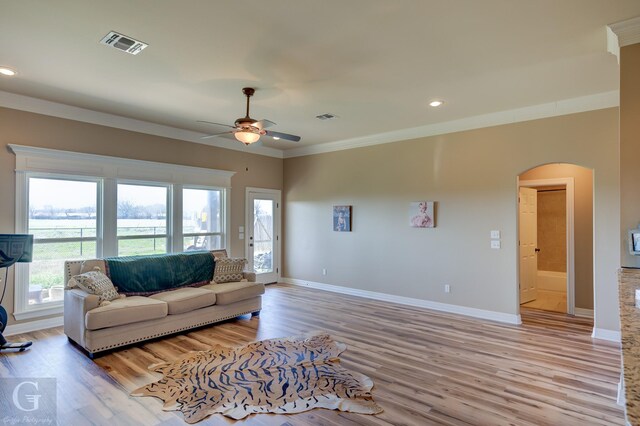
262	238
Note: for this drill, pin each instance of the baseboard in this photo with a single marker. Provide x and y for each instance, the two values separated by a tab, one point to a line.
621	397
582	312
28	327
420	303
604	334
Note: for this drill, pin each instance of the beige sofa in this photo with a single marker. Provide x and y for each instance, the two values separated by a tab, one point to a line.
138	318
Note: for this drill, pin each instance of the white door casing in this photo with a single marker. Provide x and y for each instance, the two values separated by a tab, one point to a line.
528	242
262	237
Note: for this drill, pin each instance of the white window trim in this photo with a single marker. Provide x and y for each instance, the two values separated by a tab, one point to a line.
73	165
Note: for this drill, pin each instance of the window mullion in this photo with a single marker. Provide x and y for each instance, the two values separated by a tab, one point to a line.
110	218
176	212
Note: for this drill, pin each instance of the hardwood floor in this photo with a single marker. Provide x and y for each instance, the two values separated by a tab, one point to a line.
428	367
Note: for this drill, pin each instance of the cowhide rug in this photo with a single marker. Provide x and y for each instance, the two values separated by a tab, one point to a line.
288	375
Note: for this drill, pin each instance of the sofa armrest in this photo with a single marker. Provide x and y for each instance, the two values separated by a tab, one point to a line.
250	276
76	305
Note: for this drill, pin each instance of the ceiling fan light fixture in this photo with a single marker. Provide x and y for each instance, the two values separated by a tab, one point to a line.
247	130
247	137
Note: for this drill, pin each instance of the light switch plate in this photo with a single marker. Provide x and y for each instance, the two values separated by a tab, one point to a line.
495	244
241	236
495	235
241	229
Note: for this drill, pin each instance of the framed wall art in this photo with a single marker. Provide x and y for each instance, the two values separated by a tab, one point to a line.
342	218
421	214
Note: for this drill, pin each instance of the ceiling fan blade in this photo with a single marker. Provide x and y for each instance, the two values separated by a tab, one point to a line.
215	124
285	136
214	135
263	124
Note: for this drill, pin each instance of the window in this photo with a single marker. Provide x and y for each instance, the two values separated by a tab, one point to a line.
63	228
142	219
202	219
81	206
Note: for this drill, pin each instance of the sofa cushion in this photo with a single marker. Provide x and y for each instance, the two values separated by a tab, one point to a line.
227	293
186	299
229	269
125	311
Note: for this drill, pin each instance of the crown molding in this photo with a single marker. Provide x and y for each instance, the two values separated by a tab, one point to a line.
54	109
552	109
627	32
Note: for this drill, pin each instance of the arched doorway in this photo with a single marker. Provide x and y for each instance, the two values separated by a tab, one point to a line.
555	239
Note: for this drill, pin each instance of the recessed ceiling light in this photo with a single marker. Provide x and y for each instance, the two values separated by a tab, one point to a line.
7	71
276	138
436	104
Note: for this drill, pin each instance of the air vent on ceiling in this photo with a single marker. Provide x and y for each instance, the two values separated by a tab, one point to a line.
124	43
326	116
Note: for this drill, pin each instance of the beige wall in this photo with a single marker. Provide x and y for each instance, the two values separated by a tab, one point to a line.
629	147
472	175
552	230
583	223
23	128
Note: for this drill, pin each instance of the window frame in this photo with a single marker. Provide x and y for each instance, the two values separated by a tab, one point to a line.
224	234
168	235
22	309
108	171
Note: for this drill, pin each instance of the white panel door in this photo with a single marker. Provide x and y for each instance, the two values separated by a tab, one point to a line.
528	211
263	234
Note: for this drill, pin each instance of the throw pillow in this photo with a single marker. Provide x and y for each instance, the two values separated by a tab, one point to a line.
229	269
95	282
219	254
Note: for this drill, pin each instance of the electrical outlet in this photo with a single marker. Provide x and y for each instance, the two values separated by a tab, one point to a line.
324	271
495	244
447	288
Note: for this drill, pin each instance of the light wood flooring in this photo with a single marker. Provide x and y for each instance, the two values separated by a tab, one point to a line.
428	367
555	301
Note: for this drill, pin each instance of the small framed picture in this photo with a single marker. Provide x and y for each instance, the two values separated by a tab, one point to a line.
634	242
342	218
421	214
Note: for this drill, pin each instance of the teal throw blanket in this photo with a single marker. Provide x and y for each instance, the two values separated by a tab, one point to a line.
145	275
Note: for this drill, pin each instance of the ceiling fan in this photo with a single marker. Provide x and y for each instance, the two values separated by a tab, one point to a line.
247	130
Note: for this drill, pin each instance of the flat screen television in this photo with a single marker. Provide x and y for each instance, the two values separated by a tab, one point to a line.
16	248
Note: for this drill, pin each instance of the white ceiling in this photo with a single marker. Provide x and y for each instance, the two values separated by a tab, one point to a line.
374	63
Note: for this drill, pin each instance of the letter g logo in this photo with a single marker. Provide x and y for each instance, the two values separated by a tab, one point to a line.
33	399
